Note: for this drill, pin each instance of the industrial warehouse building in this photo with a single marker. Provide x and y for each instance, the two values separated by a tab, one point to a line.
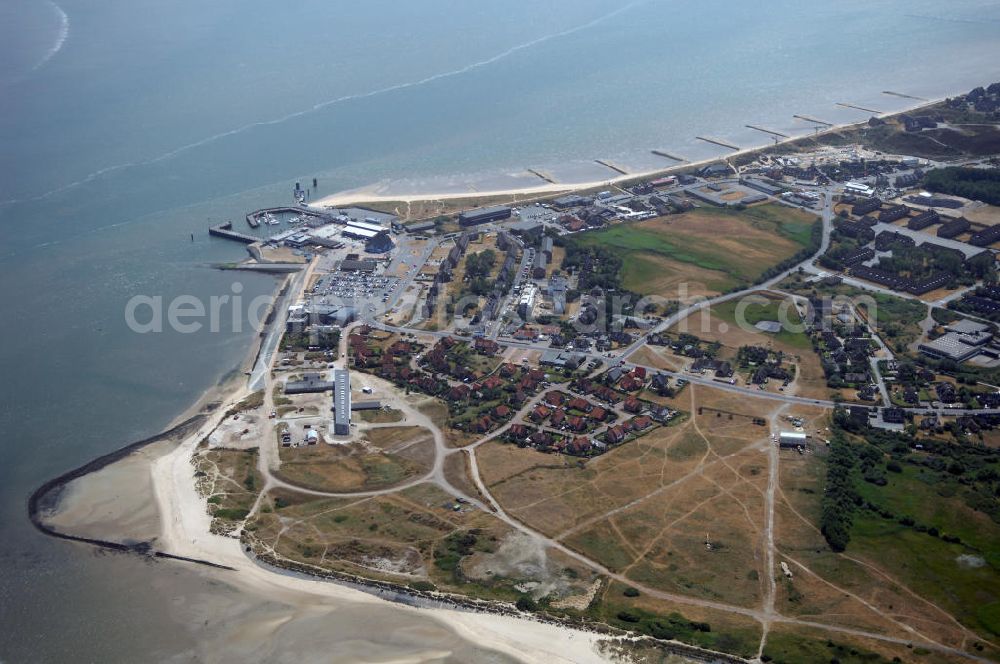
484	215
964	340
362	230
379	243
792	440
310	384
341	402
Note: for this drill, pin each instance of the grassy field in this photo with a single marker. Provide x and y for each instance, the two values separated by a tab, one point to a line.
406	452
897	320
914	577
961	577
774	309
646	508
719	324
722	248
788	646
646	615
419	537
381	416
231	482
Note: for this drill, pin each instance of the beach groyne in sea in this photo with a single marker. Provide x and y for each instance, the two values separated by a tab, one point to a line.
47	496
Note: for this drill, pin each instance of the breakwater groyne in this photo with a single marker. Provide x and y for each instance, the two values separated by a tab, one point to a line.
768	131
860	108
254	218
226	231
719	142
667	155
47	496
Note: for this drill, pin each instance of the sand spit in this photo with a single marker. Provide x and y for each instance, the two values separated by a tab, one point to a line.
142	499
185	532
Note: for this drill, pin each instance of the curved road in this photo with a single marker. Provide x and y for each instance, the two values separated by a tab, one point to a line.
766	615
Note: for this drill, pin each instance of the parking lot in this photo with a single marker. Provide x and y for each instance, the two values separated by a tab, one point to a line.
353	288
539	214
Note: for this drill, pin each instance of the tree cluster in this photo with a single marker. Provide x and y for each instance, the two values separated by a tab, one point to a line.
841	497
974	183
477	271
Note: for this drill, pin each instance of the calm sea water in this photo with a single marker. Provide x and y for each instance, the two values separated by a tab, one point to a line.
126	126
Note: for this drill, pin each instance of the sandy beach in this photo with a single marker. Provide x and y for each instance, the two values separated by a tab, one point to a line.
151	495
185	531
256	612
265	615
382	192
273	616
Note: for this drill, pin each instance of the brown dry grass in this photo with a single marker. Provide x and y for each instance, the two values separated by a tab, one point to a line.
987	215
810	381
381	416
660	357
709	488
378	537
645	508
706	325
345	468
391	439
675	280
731	235
457	472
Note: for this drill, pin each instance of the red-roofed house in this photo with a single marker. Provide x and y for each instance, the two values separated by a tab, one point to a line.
630	383
615	435
641	423
519	432
486	346
540	413
459	393
491	383
554	398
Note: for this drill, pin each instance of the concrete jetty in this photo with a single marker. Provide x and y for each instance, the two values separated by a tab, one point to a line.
859	108
253	218
270	268
720	143
768	131
900	94
808	118
226	231
667	155
543	176
612	166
